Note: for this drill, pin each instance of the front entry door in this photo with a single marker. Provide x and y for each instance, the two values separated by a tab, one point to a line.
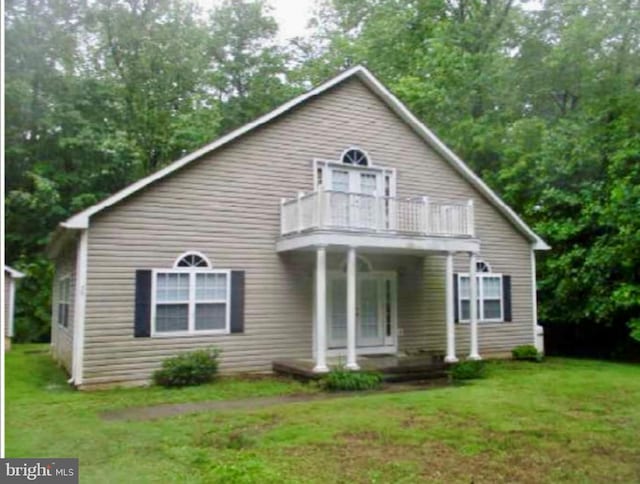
369	327
375	310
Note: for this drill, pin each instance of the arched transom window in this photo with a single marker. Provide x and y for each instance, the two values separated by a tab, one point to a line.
362	265
482	266
192	259
355	156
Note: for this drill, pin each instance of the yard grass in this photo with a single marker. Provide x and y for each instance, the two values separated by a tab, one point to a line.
560	421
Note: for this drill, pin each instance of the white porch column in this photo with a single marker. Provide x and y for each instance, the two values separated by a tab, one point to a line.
451	335
352	363
473	308
321	310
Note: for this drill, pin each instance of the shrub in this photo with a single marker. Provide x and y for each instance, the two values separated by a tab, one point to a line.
468	370
526	352
345	380
194	368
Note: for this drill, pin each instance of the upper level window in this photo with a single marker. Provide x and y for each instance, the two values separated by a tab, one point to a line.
354	156
192	259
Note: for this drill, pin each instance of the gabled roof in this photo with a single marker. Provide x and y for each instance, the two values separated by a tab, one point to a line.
81	219
13	273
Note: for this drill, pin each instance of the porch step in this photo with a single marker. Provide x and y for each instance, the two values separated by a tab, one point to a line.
415	375
392	370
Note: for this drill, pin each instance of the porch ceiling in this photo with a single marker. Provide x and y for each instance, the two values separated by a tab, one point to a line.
374	242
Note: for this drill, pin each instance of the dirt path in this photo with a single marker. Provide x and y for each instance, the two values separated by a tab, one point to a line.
171	410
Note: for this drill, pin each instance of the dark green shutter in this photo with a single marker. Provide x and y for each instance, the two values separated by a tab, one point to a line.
237	301
506	297
142	325
456	305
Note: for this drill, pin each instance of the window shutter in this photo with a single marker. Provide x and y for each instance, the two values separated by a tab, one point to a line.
237	301
456	306
506	297
142	326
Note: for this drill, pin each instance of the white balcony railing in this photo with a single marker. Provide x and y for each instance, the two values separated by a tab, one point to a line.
326	209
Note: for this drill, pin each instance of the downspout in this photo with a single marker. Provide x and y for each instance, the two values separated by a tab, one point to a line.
79	308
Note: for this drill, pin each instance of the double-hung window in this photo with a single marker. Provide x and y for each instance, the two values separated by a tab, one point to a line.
490	299
191	299
64	301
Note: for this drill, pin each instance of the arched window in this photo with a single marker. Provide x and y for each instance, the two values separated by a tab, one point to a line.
191	298
362	265
192	259
355	156
482	266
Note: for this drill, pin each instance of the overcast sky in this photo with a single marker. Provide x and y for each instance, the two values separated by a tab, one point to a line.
294	15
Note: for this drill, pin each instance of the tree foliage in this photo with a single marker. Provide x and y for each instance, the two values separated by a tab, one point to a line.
544	103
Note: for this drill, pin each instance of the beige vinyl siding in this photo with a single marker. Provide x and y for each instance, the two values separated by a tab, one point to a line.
61	337
226	205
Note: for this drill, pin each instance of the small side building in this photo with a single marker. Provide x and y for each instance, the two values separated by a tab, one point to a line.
11	277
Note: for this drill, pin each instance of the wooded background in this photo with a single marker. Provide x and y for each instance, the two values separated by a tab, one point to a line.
543	103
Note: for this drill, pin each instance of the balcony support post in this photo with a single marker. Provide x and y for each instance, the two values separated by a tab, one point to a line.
451	335
352	363
473	308
321	310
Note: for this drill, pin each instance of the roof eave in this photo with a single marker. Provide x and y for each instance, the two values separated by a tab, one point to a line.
14	273
81	220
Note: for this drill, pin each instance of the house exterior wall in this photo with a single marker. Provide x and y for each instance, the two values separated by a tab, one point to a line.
61	337
226	205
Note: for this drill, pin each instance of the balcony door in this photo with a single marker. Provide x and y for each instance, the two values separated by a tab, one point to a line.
355	203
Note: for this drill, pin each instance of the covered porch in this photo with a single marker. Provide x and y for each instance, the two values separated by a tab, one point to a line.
355	307
355	310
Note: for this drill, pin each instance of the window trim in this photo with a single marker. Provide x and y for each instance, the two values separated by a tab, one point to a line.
191	331
188	253
324	166
480	287
64	279
356	148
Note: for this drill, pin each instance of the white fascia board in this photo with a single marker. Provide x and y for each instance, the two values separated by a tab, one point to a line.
14	273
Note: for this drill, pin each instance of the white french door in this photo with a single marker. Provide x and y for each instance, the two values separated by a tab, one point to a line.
376	301
357	211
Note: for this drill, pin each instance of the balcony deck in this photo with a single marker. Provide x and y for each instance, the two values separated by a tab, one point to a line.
377	222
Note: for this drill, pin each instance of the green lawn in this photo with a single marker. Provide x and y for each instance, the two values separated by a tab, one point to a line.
560	421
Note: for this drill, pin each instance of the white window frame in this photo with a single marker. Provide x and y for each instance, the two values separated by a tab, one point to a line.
356	148
188	253
326	166
480	276
66	279
191	331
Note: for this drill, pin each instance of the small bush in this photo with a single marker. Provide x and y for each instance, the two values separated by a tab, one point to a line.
342	379
194	368
526	352
468	370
